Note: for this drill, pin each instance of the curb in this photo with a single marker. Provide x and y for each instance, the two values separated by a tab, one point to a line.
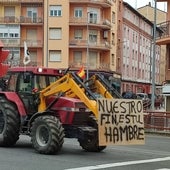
156	132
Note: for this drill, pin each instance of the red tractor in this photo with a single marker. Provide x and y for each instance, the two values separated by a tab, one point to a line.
40	103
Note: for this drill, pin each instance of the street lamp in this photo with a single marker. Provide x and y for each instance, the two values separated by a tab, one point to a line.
153	59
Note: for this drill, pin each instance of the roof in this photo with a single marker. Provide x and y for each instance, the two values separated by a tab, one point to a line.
36	70
140	15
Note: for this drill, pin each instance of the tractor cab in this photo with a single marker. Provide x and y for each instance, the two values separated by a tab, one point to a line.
27	84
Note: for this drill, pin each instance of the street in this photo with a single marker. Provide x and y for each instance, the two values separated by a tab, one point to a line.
154	155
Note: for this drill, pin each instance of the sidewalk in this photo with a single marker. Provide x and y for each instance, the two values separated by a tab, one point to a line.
157	132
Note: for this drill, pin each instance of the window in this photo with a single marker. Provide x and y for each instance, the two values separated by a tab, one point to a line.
9	31
77	57
92	17
93	59
12	83
32	13
55	10
93	36
113	59
113	39
9	11
113	17
5	35
32	34
55	33
78	34
78	12
55	55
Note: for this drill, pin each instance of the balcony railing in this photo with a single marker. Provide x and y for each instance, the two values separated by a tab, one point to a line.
10	42
101	66
83	21
85	44
21	1
13	42
102	2
165	30
32	43
22	19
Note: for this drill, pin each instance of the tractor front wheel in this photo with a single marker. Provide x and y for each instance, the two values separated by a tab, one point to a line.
91	143
47	134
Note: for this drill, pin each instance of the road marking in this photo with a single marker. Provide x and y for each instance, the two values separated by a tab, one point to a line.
121	164
162	169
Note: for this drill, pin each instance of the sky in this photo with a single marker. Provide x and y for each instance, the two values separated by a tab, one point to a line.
139	3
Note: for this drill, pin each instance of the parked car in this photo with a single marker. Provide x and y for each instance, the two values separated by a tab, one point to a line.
143	96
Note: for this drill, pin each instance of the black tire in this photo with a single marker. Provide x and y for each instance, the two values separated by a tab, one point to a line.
47	134
9	123
91	144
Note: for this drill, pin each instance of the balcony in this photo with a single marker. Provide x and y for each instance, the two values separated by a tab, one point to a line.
92	66
28	20
20	1
103	3
11	42
10	19
102	45
32	43
164	37
22	19
105	23
14	42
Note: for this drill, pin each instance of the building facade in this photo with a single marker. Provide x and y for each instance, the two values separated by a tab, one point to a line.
137	54
164	39
148	12
22	21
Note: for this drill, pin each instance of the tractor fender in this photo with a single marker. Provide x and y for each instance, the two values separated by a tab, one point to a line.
35	115
13	97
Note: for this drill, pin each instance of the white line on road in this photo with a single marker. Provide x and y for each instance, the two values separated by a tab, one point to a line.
162	169
121	164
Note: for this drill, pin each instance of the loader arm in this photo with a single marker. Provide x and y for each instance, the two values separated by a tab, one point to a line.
102	86
96	85
69	85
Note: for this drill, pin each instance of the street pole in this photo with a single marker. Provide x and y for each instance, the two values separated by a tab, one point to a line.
153	59
87	55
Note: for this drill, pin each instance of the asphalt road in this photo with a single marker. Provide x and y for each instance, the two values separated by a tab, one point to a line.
154	155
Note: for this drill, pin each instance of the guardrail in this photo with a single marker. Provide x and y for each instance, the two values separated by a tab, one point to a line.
157	120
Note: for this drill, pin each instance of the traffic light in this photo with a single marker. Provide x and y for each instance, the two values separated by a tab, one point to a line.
3	56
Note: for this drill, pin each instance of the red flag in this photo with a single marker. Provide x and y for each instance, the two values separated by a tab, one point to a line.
81	73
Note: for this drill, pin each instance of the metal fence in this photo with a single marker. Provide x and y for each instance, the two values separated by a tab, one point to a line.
157	121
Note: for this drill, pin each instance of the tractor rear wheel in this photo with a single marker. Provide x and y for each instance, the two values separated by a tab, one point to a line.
91	143
9	123
47	134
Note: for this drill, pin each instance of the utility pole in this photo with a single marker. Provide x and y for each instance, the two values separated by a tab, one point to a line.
153	58
87	55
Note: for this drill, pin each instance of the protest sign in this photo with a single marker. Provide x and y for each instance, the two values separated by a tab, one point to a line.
120	121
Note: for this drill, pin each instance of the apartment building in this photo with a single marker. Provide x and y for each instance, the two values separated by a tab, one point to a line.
148	12
22	21
137	46
62	34
83	28
164	39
